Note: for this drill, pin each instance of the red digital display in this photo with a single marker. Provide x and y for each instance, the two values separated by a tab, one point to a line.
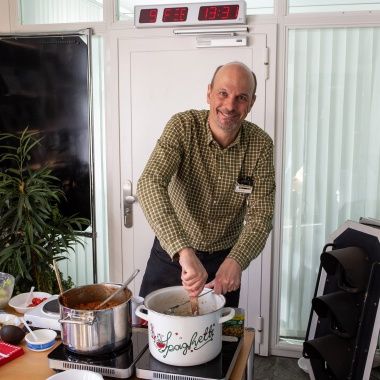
148	16
175	14
221	12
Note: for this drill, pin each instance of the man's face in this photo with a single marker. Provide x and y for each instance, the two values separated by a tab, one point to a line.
230	98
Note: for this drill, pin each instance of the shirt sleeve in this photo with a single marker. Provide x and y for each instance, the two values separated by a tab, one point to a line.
258	219
152	188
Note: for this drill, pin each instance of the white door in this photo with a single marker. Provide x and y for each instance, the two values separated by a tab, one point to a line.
158	77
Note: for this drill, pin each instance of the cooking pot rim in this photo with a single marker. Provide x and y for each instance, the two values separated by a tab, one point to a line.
181	288
81	287
90	285
182	316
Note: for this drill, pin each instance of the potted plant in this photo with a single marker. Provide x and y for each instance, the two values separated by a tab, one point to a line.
32	231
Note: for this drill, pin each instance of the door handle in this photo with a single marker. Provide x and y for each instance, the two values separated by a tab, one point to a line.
128	201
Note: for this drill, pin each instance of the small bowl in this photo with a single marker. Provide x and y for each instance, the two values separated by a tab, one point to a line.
9	319
76	374
18	302
7	282
46	340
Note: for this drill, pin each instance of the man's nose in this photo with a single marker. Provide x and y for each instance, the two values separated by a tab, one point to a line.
229	103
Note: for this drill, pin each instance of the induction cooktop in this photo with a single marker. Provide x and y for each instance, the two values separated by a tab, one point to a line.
220	368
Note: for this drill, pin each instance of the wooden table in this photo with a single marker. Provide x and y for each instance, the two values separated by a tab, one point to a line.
34	365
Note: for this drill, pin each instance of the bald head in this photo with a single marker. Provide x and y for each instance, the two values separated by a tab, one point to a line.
240	66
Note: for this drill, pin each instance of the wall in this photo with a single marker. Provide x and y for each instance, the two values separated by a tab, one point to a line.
4	17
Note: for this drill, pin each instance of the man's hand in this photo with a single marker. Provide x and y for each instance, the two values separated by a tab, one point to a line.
194	275
228	277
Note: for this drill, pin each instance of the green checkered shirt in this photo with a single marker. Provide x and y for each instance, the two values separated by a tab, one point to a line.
187	189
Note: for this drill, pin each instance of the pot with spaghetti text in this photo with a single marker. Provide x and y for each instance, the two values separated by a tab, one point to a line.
183	339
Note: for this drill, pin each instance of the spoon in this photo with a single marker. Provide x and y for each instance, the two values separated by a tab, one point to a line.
27	302
59	283
58	277
134	274
194	305
29	329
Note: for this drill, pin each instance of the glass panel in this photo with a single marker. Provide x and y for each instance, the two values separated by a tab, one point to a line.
34	12
316	6
80	265
98	92
254	7
332	156
260	7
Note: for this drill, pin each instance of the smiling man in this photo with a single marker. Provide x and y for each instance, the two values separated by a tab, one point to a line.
208	191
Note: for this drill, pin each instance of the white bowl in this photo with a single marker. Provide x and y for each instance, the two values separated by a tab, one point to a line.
302	364
76	374
9	319
18	302
45	340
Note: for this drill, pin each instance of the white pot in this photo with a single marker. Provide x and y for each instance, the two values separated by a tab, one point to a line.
184	340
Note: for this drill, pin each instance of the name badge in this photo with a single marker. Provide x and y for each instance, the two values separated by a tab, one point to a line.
243	189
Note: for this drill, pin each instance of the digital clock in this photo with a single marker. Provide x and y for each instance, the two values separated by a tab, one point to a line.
218	13
214	13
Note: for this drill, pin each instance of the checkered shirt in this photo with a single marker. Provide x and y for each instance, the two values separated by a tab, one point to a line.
187	189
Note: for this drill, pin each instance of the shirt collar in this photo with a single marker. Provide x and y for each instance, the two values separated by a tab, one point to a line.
238	140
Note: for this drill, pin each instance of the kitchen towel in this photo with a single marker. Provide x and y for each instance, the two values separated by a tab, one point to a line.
9	352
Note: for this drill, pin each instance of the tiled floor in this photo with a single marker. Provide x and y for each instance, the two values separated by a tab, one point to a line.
278	368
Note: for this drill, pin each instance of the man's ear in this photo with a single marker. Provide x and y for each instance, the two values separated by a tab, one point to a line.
252	102
208	93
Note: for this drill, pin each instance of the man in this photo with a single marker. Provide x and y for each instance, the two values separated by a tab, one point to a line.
208	191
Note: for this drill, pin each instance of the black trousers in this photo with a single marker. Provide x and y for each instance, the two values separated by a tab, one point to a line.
162	272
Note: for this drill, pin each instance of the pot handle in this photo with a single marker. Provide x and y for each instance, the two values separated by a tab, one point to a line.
143	316
89	321
230	315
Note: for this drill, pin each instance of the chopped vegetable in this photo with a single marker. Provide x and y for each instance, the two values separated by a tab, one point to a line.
36	301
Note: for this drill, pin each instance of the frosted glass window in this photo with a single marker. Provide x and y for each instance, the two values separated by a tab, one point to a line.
34	12
331	153
254	7
317	6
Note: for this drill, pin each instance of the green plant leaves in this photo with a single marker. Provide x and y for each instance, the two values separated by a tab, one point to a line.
32	232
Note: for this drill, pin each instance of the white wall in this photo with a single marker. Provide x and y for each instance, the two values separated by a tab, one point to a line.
4	17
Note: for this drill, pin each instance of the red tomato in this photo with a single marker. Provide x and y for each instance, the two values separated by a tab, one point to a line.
36	301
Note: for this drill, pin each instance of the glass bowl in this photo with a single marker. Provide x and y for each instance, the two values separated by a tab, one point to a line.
7	283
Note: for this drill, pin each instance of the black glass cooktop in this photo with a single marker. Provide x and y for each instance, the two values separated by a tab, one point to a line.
220	368
118	364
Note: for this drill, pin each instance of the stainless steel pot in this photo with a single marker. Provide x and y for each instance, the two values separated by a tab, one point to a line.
95	331
184	340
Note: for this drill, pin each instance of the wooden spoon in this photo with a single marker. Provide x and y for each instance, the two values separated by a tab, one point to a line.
59	283
194	305
58	277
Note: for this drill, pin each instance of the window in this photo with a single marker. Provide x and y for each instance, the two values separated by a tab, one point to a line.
70	11
332	160
316	6
59	11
